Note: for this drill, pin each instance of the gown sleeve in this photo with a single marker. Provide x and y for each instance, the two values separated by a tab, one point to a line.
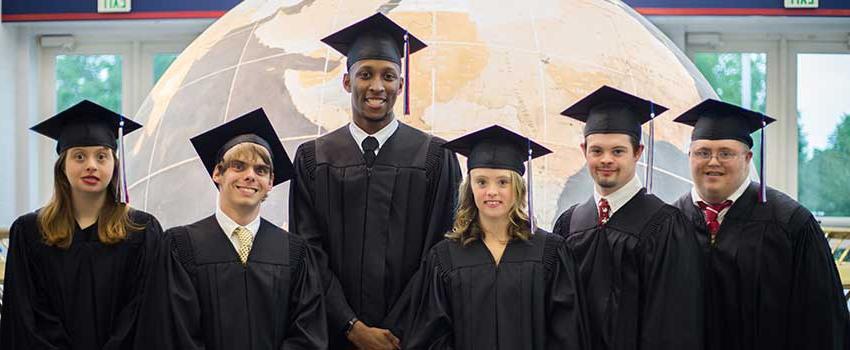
27	320
567	318
125	322
672	285
430	324
170	317
820	317
303	222
308	324
444	177
562	224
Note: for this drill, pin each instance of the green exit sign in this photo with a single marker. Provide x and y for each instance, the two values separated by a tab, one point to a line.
111	6
801	4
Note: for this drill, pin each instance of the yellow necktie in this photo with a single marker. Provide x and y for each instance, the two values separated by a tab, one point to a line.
245	242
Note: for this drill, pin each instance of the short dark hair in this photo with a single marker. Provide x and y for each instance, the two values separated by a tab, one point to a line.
632	140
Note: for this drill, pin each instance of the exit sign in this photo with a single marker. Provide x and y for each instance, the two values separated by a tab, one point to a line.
801	4
111	6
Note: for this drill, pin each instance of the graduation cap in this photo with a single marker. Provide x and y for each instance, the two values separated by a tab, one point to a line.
611	111
253	127
718	120
89	124
499	148
377	37
85	124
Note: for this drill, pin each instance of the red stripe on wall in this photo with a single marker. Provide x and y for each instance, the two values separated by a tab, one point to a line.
646	11
649	11
87	16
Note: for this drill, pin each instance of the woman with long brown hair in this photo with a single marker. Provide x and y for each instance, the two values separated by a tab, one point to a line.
76	267
496	282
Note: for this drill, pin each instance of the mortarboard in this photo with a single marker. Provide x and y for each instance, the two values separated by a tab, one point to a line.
496	147
253	127
85	124
611	111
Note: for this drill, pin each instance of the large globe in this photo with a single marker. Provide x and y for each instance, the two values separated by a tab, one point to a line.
515	63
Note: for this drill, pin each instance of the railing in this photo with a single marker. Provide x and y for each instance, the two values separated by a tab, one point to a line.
839	242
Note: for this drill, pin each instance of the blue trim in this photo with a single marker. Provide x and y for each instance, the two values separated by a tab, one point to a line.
12	7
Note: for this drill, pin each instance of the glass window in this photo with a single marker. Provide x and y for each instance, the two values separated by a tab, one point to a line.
161	62
737	78
93	77
823	124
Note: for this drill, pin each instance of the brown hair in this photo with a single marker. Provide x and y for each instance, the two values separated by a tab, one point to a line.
467	228
632	140
56	219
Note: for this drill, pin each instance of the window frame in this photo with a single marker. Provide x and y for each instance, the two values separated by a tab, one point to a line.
826	45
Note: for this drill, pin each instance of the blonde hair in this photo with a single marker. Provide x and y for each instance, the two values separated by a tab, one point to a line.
245	152
467	228
56	219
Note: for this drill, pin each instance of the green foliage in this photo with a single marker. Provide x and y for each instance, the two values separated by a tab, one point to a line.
93	77
723	71
161	62
823	181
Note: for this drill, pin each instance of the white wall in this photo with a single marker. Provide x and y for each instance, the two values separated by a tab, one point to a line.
8	124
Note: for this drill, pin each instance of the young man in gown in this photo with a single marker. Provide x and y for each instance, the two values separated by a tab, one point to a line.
771	281
638	257
234	280
373	196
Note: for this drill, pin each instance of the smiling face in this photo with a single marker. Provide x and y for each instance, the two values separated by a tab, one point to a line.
493	191
374	86
611	160
726	168
89	169
244	177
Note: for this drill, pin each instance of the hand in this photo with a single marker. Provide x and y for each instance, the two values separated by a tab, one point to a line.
367	338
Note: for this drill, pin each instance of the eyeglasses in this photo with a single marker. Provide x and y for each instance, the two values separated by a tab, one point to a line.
722	156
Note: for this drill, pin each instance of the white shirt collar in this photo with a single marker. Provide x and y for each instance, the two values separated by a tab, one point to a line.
695	197
382	135
620	197
734	197
228	225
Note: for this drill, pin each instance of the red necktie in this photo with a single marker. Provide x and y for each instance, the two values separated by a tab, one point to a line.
712	211
604	211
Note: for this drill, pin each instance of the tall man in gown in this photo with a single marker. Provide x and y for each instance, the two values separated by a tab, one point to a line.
638	258
771	282
234	280
373	196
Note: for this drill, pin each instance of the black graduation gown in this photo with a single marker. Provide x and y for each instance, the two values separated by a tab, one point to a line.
771	281
84	297
642	273
371	227
531	300
206	299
